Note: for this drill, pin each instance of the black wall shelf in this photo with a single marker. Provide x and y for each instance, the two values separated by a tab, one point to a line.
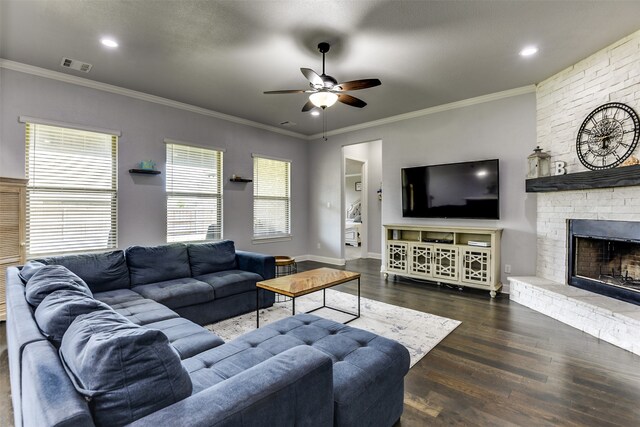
626	176
240	180
145	171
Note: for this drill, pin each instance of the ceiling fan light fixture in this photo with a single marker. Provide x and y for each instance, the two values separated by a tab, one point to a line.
323	99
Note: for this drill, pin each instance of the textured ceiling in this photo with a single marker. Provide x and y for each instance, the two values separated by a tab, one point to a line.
221	55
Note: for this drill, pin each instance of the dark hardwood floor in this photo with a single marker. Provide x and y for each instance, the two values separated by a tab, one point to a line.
504	365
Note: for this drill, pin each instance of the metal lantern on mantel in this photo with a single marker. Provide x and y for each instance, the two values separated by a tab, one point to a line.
539	163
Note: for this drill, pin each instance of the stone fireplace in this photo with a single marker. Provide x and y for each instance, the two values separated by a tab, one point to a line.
578	274
604	257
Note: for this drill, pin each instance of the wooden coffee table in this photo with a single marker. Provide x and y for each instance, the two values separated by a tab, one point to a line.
296	285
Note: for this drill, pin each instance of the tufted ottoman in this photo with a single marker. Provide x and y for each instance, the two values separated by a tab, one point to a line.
368	370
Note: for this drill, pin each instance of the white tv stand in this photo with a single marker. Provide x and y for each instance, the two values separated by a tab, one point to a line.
443	255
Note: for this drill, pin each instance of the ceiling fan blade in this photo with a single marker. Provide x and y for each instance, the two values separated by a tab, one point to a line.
312	76
308	106
359	84
285	91
351	100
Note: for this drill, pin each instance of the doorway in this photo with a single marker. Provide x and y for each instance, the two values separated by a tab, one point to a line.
356	207
362	201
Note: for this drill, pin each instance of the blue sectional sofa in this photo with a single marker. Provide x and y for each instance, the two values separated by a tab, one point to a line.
114	339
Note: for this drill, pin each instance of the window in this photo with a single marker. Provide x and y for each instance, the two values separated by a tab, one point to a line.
194	193
271	198
72	190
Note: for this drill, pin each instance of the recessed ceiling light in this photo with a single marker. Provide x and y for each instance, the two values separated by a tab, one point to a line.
109	42
315	113
528	51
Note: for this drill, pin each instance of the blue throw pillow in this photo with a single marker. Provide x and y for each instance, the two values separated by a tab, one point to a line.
29	269
60	308
212	257
104	271
124	370
51	278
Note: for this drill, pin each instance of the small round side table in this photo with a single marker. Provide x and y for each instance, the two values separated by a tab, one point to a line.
285	265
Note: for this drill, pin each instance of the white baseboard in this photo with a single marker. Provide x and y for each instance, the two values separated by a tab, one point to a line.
374	255
322	259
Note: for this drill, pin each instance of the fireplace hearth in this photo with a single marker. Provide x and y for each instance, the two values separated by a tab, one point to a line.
604	257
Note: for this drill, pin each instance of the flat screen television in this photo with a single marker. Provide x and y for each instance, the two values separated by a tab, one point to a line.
455	190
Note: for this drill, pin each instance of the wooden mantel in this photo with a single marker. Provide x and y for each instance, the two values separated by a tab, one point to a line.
618	177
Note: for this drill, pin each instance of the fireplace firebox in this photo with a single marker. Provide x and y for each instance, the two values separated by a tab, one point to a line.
604	257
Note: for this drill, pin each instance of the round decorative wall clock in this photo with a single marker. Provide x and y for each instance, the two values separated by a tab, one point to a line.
608	136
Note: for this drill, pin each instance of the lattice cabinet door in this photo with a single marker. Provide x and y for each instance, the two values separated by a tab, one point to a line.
397	257
476	266
421	262
445	262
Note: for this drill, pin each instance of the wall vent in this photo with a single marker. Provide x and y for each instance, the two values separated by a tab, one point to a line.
287	123
76	65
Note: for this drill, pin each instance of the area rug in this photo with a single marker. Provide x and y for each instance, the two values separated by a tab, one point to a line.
419	332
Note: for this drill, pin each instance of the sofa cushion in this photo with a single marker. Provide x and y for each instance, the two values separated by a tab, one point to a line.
187	338
231	282
220	363
178	292
126	371
151	264
211	257
51	278
60	308
117	296
143	311
29	269
102	272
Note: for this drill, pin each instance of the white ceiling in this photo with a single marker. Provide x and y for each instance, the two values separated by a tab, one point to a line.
221	55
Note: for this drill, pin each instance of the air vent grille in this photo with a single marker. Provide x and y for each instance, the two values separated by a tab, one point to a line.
287	123
74	64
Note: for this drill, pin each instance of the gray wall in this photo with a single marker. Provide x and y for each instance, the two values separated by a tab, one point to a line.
504	129
144	126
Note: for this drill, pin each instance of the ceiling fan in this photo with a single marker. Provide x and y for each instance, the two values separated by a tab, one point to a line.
325	90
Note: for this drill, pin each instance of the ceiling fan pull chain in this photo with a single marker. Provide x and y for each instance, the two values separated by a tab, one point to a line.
324	124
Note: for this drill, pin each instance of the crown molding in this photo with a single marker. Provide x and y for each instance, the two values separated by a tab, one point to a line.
431	110
80	81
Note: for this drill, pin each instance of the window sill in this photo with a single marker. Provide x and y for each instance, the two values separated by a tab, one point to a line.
274	239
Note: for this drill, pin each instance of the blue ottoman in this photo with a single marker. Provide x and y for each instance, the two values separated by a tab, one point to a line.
368	370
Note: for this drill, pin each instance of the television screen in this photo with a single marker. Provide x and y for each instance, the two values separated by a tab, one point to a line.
456	190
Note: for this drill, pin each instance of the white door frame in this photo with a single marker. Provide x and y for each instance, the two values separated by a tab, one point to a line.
364	204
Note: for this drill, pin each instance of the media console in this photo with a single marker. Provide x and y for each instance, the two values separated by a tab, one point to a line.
463	256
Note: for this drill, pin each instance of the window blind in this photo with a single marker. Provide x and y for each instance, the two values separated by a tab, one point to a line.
271	198
194	193
72	190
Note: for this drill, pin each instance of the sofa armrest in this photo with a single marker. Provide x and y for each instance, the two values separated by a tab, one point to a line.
22	330
48	395
294	387
262	264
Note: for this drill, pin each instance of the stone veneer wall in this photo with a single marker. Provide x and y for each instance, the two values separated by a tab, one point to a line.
563	101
